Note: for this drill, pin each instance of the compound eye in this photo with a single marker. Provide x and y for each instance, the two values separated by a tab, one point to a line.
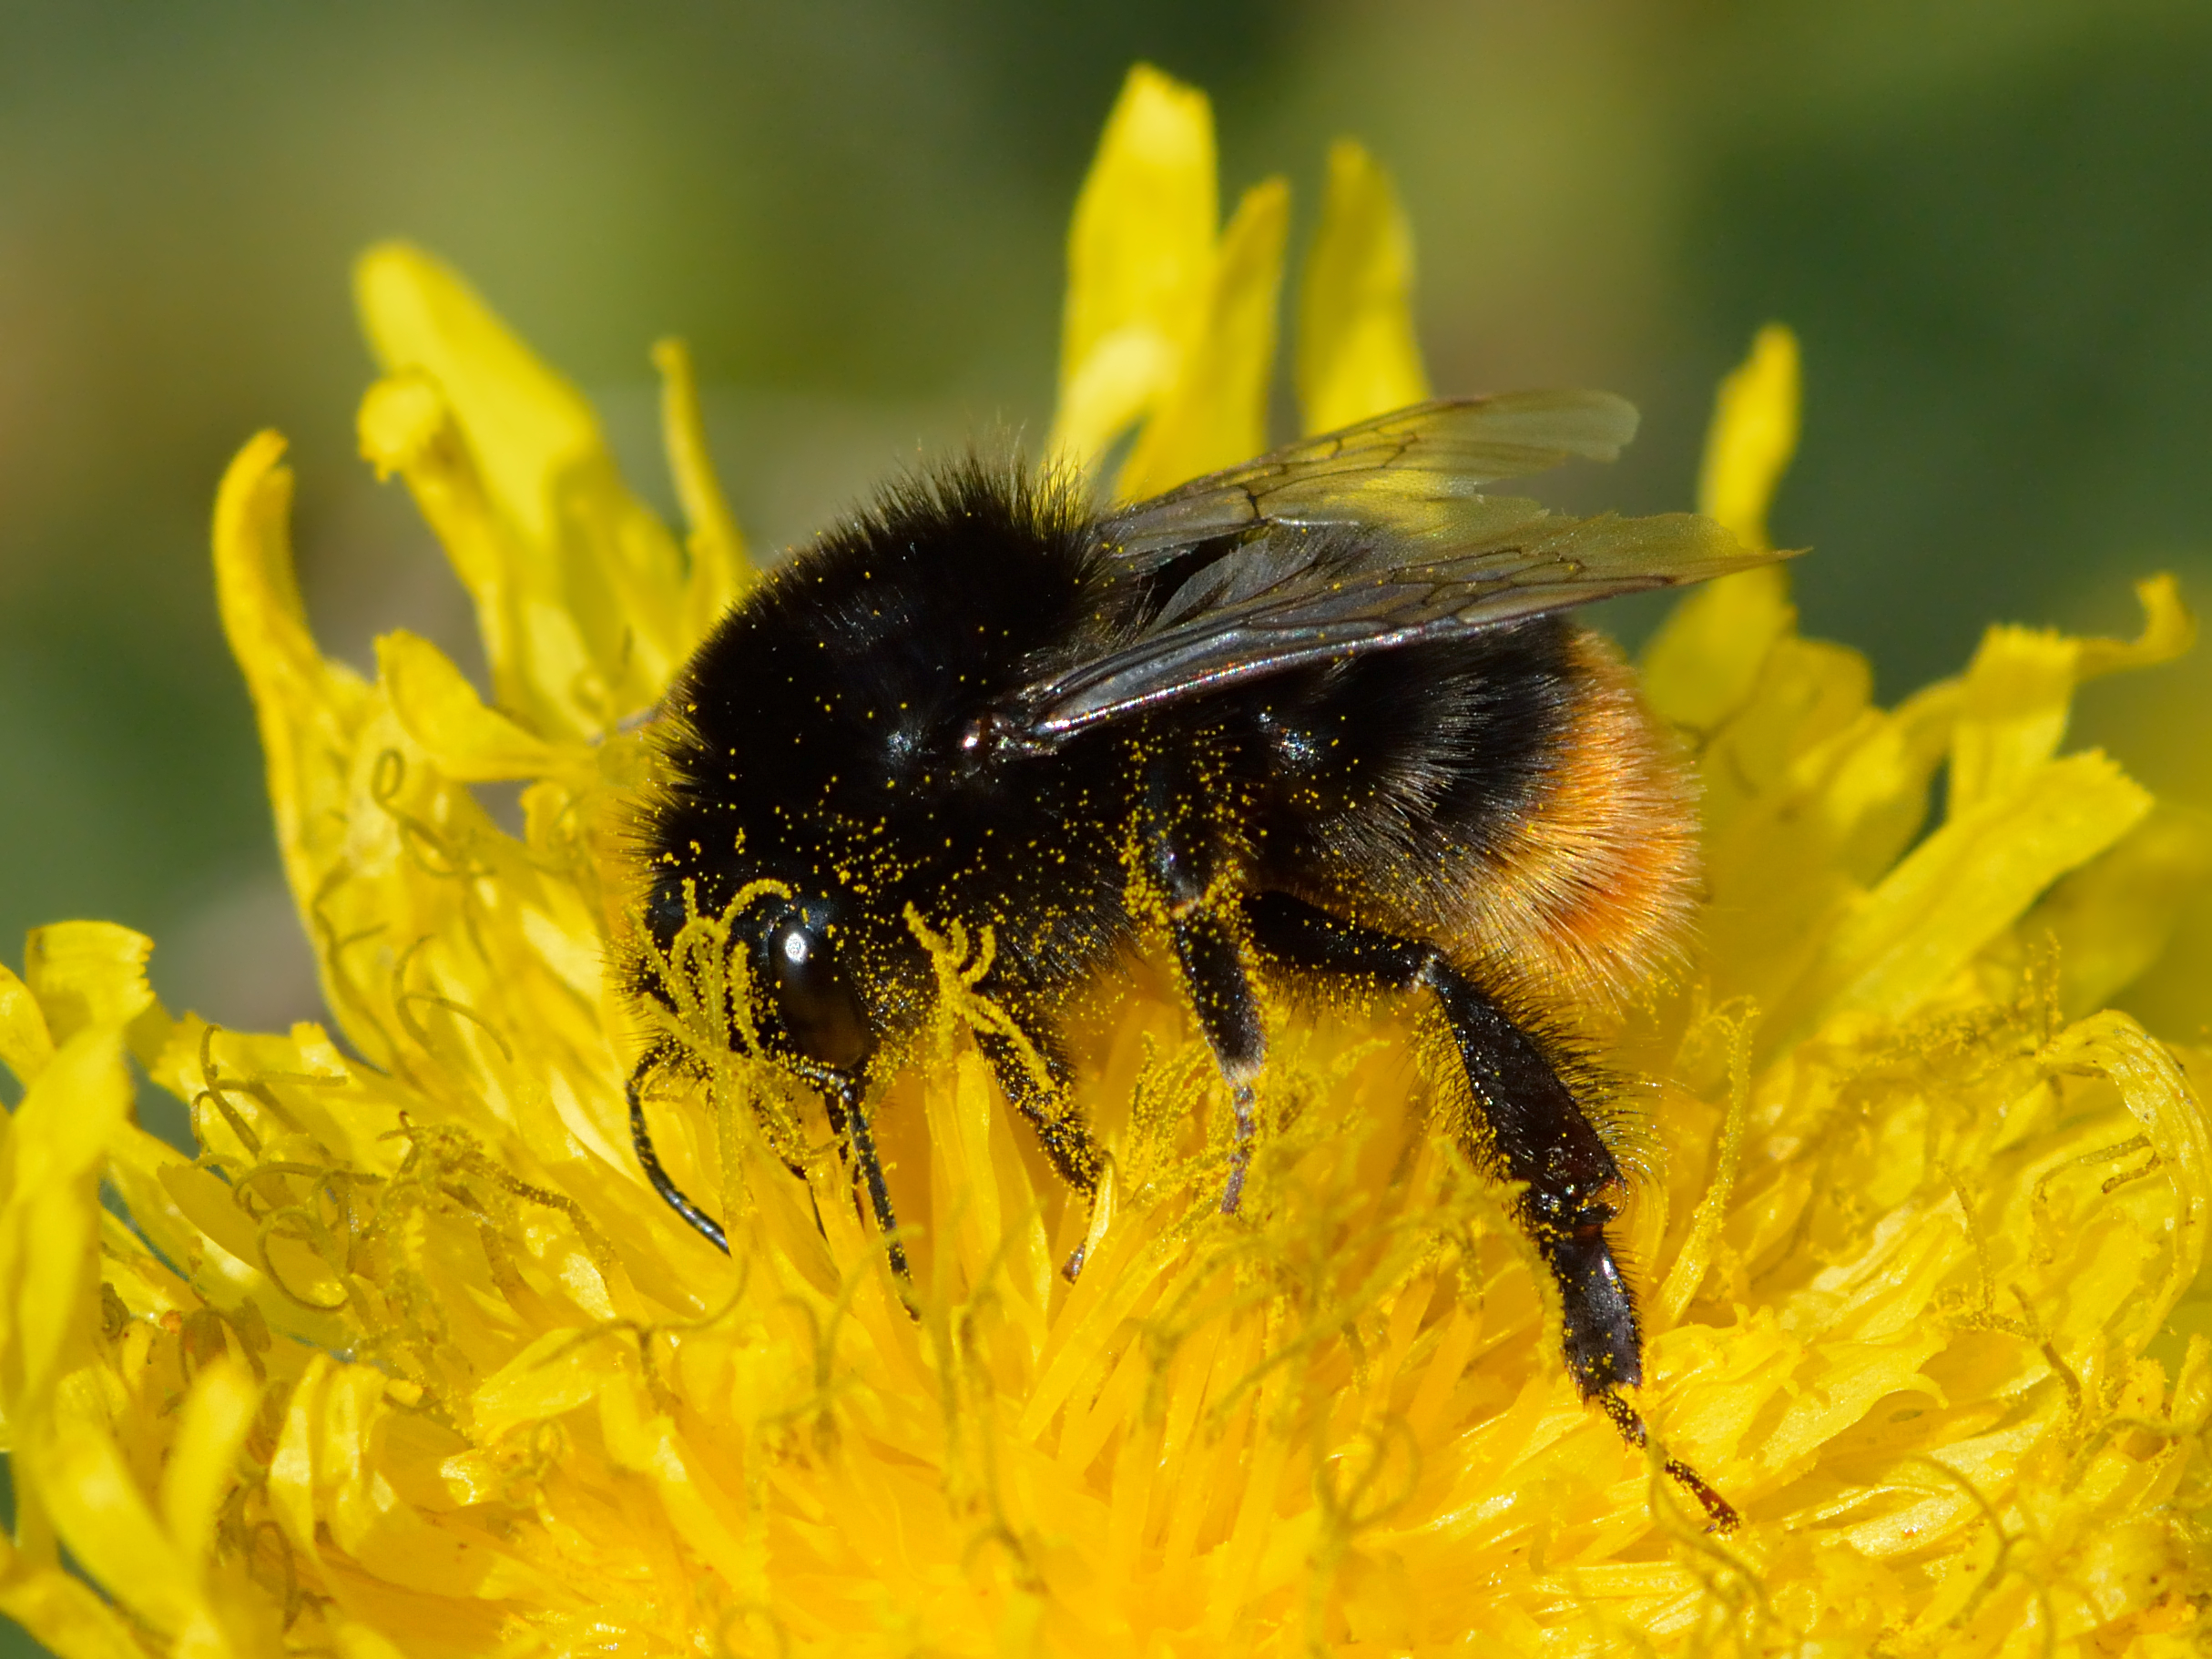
821	1017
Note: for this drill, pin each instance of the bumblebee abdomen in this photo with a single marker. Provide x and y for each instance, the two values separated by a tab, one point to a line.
1593	887
1505	796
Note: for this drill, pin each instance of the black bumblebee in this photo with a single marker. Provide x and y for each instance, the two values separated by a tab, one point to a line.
1319	716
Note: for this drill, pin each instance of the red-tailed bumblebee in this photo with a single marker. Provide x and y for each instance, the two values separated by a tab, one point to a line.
1318	719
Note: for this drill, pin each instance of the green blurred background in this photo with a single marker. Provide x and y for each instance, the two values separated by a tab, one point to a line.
1991	223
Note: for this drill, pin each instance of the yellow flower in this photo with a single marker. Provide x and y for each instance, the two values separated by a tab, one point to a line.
410	1360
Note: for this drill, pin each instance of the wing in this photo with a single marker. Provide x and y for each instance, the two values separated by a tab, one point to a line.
1363	540
1405	472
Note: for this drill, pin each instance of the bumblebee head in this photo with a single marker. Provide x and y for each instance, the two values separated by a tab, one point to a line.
788	958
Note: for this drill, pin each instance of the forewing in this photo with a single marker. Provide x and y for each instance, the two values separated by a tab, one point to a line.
1281	606
1363	540
1408	471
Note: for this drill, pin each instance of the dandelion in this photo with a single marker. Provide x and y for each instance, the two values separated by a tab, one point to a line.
407	1358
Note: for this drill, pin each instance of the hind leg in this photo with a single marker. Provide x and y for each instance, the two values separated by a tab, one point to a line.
1530	1129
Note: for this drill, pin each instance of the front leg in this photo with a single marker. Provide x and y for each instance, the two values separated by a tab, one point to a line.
1033	1078
648	1159
847	1105
1529	1127
848	1119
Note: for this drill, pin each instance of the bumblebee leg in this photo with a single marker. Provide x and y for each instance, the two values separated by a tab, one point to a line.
707	1227
1211	955
1530	1129
849	1118
1074	1156
845	1115
1210	950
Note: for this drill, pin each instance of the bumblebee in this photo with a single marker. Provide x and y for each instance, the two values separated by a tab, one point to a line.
1318	720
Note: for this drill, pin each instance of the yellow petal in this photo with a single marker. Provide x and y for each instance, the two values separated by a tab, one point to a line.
2019	691
1753	434
565	549
92	974
255	584
25	1044
527	426
385	851
58	1135
309	710
1140	257
202	1465
1972	878
66	1616
1216	413
291	1466
441	710
356	1641
1701	665
1356	355
1702	662
2169	632
543	666
137	1164
2017	695
109	1527
405	425
558	1372
2159	1098
258	597
2113	917
720	573
647	1443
